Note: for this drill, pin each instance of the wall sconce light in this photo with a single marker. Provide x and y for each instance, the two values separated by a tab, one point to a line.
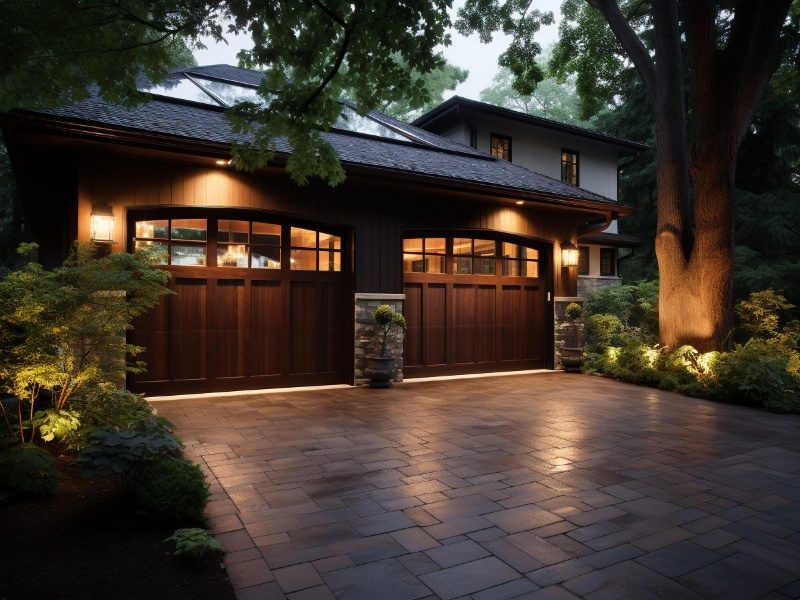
102	231
570	255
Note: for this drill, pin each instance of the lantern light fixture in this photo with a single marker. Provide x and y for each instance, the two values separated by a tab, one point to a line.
102	224
570	255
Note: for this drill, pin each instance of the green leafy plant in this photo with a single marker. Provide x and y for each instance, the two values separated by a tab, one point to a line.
171	489
195	544
635	305
56	424
121	453
27	471
388	324
63	331
757	374
573	313
602	331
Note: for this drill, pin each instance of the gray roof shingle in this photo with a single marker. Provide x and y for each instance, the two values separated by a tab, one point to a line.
432	155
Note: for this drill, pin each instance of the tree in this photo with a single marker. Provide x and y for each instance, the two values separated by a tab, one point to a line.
552	99
63	331
441	79
731	51
51	50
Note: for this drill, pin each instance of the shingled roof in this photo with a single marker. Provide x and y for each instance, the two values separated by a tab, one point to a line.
424	153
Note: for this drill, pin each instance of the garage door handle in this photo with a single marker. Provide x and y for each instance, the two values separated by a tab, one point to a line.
548	296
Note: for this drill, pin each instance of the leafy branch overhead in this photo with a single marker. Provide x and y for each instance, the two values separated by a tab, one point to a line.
313	53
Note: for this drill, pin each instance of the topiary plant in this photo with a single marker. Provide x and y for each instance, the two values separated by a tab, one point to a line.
388	322
172	490
572	314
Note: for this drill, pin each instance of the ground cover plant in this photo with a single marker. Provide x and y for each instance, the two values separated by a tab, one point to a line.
760	367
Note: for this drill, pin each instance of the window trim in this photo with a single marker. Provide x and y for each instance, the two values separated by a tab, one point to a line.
577	166
588	250
500	136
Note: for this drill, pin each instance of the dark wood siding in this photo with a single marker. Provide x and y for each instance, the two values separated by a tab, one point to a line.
378	213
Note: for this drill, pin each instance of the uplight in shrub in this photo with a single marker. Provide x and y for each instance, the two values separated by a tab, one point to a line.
612	353
651	354
706	362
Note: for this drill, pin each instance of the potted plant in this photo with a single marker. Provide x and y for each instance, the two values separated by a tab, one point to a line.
572	357
381	369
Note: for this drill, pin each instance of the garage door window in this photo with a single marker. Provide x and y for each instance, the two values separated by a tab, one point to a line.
424	255
178	241
248	244
520	261
473	256
315	250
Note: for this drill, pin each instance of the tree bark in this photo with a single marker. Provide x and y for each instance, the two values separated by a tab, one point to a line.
695	233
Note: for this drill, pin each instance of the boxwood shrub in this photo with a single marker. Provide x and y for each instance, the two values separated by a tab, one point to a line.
171	490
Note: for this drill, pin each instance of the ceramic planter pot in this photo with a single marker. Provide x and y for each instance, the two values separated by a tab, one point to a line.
572	359
380	371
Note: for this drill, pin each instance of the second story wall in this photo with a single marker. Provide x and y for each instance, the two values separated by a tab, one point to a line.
539	149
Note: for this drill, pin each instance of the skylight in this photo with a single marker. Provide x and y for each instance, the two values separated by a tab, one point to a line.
350	120
197	88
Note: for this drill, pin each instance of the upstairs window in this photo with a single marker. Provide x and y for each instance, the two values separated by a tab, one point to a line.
500	146
569	167
608	262
583	260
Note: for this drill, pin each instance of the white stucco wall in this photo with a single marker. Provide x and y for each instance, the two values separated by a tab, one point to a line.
539	149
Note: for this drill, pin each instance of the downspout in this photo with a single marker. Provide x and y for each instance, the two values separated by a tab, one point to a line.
601	225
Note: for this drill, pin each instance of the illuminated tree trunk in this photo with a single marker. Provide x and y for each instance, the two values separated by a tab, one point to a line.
694	237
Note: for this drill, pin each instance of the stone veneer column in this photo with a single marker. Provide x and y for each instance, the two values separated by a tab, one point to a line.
587	285
562	328
365	341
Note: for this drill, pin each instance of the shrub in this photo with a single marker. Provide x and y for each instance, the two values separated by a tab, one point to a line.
120	453
173	490
388	324
27	471
195	544
760	314
757	374
602	331
636	305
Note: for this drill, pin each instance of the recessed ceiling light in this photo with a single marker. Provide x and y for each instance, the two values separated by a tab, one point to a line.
221	162
520	202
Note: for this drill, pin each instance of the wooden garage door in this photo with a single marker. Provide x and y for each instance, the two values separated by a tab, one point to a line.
257	304
473	305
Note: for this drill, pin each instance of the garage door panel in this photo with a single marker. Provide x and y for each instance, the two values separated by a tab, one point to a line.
303	327
331	309
188	355
267	336
156	349
434	304
485	323
463	324
188	318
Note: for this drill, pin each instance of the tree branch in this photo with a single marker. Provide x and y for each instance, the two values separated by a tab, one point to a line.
336	18
334	68
630	42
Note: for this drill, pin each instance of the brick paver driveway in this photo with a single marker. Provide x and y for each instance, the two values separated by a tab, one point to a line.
539	486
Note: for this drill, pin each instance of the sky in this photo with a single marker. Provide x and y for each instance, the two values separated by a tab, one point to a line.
465	52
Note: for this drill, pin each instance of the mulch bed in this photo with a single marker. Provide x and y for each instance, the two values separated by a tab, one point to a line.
86	542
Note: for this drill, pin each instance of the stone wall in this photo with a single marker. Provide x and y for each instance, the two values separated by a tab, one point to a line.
590	284
564	335
366	343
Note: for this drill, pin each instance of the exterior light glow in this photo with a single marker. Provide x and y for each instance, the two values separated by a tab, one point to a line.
520	202
221	162
570	255
102	224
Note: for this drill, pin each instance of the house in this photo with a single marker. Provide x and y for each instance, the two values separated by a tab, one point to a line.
274	282
576	156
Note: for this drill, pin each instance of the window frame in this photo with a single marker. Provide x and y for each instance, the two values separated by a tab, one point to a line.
212	242
614	272
577	156
506	138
